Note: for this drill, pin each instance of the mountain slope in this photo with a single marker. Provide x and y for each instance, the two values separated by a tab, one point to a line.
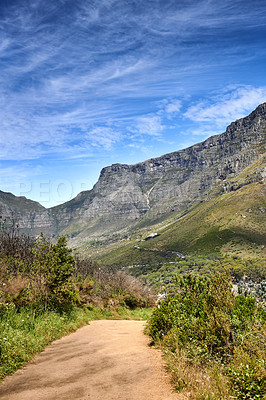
152	190
232	223
16	203
19	207
134	198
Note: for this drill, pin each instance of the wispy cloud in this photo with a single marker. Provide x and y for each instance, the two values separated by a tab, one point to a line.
173	107
211	116
149	125
80	78
103	137
234	103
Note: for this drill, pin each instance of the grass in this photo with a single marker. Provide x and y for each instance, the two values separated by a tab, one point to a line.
24	333
214	223
197	381
231	223
213	340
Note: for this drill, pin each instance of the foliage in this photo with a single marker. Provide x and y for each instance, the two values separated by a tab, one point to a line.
14	244
45	293
111	287
36	273
46	275
204	323
52	271
248	378
248	275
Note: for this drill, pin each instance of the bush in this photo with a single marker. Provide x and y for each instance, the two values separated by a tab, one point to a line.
198	312
203	323
37	273
15	245
248	378
52	271
112	287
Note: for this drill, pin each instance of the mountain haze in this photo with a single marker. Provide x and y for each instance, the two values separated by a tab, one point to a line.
127	198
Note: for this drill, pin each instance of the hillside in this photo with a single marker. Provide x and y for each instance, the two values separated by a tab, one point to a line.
199	198
230	219
9	201
230	224
146	193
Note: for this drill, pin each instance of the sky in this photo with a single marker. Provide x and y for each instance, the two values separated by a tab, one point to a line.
89	83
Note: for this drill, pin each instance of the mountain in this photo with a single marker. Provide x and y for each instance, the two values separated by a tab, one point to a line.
21	208
232	223
134	199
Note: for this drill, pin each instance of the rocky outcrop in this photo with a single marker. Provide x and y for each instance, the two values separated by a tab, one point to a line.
20	208
124	194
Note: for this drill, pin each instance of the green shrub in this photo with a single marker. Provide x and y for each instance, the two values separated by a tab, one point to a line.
198	312
246	383
51	272
204	323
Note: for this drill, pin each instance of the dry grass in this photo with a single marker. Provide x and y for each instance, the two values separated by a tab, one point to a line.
196	382
11	286
112	288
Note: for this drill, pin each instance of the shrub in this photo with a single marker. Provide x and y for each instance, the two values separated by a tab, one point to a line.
111	286
203	323
51	273
248	377
15	245
198	312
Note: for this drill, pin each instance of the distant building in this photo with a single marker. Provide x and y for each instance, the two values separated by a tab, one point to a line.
151	236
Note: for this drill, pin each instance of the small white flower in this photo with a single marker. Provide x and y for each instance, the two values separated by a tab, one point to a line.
4	284
22	320
5	338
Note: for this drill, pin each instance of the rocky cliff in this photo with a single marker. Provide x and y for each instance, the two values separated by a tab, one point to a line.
127	194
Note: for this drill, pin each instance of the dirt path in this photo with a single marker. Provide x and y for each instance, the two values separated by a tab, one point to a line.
106	360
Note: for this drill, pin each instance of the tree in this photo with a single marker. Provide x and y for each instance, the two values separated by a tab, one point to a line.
52	270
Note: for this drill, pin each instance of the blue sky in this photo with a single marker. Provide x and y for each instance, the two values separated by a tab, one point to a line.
84	84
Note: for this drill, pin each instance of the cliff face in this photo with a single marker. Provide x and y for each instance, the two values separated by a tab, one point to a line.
24	210
156	187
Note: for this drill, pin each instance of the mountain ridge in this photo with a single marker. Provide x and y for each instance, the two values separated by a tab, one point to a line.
128	195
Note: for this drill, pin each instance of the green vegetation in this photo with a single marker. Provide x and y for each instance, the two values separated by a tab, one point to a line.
248	275
26	332
214	340
46	293
229	224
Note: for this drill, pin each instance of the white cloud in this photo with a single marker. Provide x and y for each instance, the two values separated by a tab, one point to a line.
4	45
154	124
103	137
149	125
231	105
173	107
70	80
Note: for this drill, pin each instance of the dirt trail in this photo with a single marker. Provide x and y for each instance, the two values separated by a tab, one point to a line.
106	360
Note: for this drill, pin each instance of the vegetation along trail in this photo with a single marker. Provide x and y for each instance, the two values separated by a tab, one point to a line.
106	360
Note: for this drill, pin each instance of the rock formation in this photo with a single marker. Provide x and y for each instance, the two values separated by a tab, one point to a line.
150	190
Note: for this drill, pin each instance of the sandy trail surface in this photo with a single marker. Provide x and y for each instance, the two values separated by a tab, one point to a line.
106	360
